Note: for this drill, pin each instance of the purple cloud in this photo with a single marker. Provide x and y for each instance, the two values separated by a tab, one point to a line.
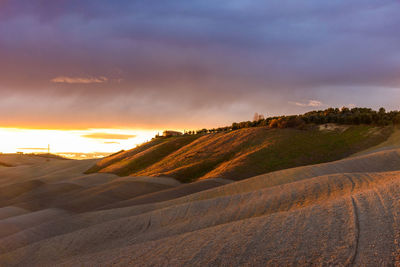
199	62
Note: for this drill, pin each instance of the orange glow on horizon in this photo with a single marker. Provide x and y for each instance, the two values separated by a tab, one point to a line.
14	140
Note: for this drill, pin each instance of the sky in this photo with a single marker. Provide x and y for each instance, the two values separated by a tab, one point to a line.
129	65
90	143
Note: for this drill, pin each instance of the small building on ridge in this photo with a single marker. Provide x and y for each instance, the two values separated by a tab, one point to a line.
168	133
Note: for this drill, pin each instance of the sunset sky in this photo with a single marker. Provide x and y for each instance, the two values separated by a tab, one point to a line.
137	67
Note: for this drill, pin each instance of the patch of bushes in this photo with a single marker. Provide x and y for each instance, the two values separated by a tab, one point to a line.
354	116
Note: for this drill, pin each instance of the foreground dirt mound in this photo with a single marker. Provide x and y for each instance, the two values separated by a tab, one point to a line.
342	213
169	194
240	154
6	212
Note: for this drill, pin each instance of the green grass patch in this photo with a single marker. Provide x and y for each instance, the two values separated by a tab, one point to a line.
294	148
116	157
153	154
243	153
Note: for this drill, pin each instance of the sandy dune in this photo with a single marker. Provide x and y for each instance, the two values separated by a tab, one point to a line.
340	213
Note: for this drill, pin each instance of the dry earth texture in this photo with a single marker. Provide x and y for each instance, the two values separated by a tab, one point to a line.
242	153
341	213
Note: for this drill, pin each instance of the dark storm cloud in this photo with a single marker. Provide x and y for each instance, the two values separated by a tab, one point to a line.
166	63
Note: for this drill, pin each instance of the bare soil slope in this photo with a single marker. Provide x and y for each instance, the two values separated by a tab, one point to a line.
340	213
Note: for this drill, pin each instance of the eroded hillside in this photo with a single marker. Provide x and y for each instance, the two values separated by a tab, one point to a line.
340	213
242	153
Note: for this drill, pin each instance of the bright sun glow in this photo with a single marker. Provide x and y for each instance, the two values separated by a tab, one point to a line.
14	140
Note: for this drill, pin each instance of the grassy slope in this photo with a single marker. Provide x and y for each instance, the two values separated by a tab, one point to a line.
294	148
114	158
139	158
393	142
242	153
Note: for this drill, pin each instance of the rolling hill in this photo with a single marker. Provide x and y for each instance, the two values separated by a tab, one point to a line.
338	213
241	153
